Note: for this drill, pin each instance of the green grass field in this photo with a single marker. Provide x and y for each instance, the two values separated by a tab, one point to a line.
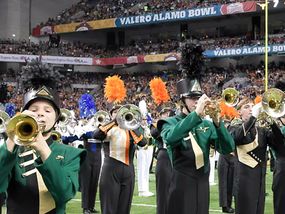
142	205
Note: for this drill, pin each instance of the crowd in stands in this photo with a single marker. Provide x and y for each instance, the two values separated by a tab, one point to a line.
87	10
247	79
80	49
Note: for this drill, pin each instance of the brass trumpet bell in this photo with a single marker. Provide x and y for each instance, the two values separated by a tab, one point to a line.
273	102
230	96
56	136
129	117
4	118
22	129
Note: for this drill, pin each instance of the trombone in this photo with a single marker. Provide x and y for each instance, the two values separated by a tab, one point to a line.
65	117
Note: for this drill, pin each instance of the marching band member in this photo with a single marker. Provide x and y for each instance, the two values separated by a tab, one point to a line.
90	170
163	171
188	137
278	186
251	146
144	156
118	176
44	178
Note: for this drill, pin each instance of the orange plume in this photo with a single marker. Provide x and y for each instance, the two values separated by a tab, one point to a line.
228	112
159	91
114	90
258	99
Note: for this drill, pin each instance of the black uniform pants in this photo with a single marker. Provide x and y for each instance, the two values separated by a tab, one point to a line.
89	177
116	187
188	194
163	174
226	166
278	187
250	196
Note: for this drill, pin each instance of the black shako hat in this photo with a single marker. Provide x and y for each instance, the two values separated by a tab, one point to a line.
40	83
191	66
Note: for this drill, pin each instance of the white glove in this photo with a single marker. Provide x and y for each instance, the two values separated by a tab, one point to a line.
256	109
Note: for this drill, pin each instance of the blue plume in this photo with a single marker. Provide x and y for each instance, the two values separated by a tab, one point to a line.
87	106
148	119
10	109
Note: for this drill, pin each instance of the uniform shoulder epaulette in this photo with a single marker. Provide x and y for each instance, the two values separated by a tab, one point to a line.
236	121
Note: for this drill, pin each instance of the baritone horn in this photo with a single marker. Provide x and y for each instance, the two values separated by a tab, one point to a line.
129	117
65	116
23	129
273	102
230	96
4	118
273	107
101	117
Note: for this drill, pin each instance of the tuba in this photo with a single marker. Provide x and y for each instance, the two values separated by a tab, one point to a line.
4	118
65	117
230	96
129	117
23	129
273	107
101	117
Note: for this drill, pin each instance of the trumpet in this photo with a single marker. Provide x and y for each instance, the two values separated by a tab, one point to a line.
230	96
56	136
129	117
23	129
4	118
101	117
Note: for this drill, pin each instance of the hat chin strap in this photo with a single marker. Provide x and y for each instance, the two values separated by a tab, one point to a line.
184	103
46	132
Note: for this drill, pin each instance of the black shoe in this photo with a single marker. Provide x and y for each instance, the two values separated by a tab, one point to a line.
228	210
86	211
92	211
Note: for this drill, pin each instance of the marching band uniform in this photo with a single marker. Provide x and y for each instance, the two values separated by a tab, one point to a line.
144	156
118	176
251	142
226	169
278	186
90	171
188	138
163	169
34	186
39	184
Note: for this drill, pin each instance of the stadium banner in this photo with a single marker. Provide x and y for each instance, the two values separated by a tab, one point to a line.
118	60
215	10
244	51
177	15
85	26
46	59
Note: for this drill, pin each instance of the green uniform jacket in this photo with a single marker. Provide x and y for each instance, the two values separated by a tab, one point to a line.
175	129
59	173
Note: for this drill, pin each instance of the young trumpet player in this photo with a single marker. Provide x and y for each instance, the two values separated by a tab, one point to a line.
189	137
43	176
